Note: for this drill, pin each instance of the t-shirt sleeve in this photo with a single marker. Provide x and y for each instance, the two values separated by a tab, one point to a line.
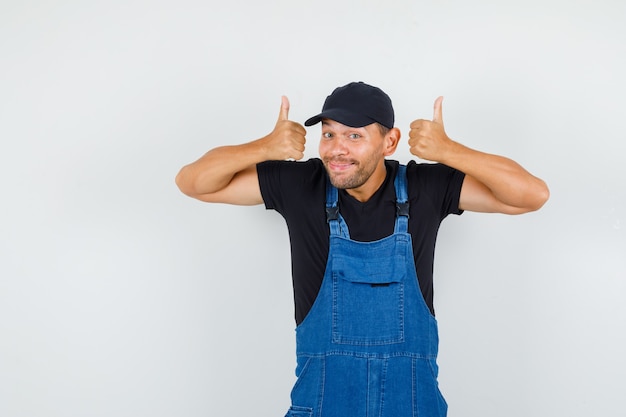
286	184
269	174
440	184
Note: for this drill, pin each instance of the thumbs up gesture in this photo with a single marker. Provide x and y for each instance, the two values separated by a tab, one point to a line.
287	140
427	138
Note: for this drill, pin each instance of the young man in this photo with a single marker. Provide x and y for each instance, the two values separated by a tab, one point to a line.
363	231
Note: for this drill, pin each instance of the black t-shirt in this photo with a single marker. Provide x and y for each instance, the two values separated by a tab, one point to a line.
297	190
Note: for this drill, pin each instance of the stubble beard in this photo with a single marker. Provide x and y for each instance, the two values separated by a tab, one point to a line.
354	180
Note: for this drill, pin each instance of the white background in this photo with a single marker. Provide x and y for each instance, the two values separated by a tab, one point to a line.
121	297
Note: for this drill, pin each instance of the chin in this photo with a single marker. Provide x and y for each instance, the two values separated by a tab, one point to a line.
345	182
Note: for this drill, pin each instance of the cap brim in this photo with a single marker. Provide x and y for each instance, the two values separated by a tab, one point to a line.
342	116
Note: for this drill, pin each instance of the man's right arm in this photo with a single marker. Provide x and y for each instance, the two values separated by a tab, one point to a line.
227	174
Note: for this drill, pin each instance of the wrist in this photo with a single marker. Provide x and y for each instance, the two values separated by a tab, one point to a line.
453	153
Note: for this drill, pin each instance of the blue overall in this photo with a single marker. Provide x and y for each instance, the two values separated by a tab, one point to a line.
368	346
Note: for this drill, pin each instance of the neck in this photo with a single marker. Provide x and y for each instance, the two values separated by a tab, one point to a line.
364	192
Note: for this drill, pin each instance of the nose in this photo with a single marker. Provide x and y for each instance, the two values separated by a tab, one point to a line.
338	147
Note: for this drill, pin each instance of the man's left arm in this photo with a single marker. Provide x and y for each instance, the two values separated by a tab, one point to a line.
493	183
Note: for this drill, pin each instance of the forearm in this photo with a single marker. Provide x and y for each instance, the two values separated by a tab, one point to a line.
215	169
508	181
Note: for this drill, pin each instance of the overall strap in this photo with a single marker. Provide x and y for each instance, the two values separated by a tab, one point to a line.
338	226
402	201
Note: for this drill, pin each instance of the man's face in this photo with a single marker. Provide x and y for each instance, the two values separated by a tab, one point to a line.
351	155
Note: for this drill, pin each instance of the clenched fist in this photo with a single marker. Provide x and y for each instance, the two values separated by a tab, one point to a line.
427	138
287	140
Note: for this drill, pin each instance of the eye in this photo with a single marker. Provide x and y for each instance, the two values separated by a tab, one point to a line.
354	136
327	135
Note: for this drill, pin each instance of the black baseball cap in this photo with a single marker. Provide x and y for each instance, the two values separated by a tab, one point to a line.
356	105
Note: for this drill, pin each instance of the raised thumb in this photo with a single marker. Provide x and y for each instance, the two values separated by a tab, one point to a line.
437	113
284	109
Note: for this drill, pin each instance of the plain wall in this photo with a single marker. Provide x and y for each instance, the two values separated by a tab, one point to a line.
119	296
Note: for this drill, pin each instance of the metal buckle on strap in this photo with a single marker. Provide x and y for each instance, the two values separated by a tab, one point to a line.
402	209
332	213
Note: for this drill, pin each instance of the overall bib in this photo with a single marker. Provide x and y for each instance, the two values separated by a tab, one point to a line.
368	346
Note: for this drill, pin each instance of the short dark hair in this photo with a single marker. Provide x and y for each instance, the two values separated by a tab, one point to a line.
383	129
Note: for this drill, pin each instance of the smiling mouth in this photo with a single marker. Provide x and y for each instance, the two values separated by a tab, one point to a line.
340	165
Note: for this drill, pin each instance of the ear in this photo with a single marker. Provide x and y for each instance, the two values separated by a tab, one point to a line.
392	138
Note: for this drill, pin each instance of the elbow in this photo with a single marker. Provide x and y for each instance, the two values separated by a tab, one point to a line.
533	200
540	196
183	182
545	194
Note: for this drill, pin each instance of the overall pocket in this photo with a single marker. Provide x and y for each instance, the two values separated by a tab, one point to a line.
309	387
295	411
368	301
